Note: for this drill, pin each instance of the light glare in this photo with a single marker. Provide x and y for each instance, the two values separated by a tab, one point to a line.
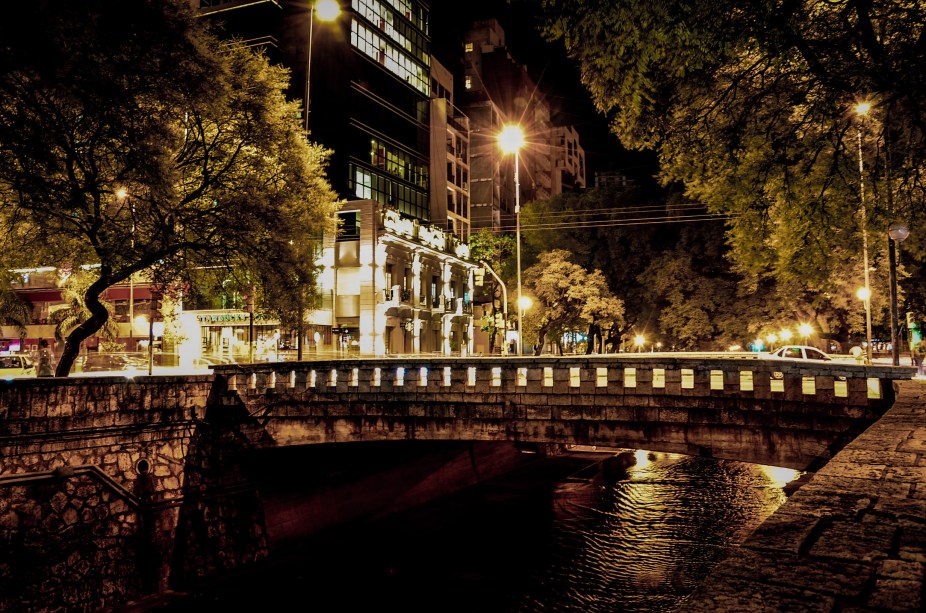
328	10
511	138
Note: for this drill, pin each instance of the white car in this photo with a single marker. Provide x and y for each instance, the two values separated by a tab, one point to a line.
16	366
800	352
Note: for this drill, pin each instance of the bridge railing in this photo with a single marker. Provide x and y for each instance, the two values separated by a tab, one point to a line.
628	375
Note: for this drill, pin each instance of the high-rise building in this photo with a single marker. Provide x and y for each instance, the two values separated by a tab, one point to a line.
568	160
396	279
497	90
450	208
364	78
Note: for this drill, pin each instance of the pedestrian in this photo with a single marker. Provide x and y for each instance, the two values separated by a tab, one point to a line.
918	355
45	360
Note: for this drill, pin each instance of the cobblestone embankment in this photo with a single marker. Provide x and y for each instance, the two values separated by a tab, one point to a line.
851	539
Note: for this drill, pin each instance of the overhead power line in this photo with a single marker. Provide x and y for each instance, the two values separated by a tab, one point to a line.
611	223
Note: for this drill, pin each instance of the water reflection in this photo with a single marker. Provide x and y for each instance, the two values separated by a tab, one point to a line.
646	540
637	533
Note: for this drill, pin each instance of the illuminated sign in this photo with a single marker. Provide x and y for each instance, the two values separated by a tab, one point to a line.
430	236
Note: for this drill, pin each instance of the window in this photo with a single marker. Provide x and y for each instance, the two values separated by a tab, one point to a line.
349	226
468	47
468	82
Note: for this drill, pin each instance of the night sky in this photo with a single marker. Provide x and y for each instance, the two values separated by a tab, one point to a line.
556	75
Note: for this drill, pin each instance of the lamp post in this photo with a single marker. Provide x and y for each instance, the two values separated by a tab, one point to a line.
511	140
504	303
328	10
898	232
861	110
864	294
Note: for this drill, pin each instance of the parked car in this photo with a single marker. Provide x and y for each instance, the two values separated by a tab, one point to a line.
800	352
16	366
97	362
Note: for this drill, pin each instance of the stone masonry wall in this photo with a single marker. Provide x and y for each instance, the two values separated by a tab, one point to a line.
91	472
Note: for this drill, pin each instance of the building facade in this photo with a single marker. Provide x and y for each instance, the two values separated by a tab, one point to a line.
397	285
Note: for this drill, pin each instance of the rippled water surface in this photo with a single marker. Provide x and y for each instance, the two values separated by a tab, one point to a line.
558	537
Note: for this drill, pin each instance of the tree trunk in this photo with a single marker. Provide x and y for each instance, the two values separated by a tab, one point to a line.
538	348
98	317
594	344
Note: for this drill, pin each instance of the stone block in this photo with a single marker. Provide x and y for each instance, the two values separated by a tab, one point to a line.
854	541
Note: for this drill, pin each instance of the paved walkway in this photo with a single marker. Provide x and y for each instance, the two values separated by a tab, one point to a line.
851	539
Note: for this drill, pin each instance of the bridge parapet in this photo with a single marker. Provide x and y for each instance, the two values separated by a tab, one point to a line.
768	411
839	383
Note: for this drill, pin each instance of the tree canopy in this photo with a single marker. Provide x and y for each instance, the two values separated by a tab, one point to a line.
131	139
568	298
749	104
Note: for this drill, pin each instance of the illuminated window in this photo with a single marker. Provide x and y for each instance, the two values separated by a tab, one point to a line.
468	47
468	82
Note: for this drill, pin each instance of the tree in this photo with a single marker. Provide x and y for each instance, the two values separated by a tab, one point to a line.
749	105
132	139
497	251
568	298
15	312
76	312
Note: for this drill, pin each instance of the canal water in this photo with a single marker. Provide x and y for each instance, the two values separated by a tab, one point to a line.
563	535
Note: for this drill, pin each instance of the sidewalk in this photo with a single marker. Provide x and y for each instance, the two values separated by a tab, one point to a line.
852	539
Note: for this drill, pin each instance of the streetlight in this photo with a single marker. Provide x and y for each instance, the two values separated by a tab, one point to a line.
864	294
805	330
898	232
639	340
785	335
511	139
328	10
861	109
504	303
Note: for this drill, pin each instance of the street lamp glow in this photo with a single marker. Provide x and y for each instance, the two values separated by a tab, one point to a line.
511	139
805	330
639	340
525	303
122	193
771	338
785	335
328	10
863	293
862	108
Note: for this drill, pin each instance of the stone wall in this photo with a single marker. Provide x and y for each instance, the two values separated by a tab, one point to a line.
91	475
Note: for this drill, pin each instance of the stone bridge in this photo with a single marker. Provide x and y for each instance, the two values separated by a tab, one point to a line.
775	412
115	488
